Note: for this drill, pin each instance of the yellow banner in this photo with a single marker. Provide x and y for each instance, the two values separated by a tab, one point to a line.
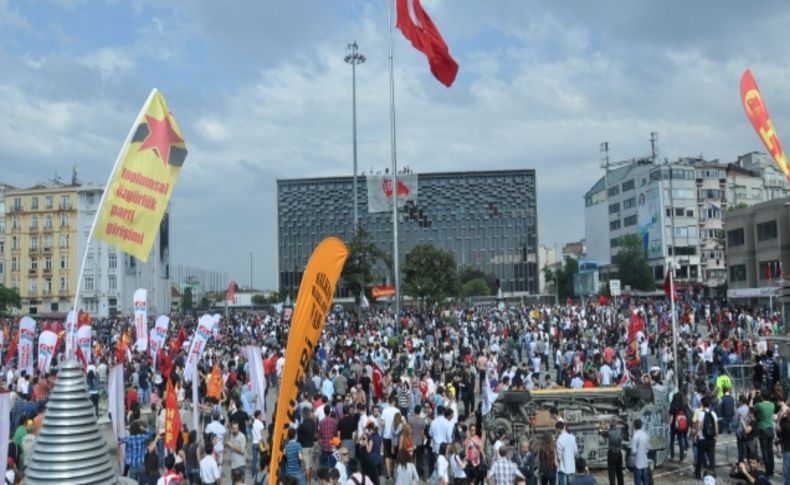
143	180
312	304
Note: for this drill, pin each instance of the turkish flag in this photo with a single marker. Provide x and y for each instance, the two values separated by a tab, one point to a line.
602	300
378	374
12	349
425	37
669	286
165	364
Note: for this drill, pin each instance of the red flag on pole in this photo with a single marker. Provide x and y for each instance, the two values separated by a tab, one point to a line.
231	291
420	30
172	417
602	300
768	273
378	374
81	357
669	287
12	349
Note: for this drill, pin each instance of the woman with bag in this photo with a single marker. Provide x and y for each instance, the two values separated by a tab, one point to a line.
458	465
405	471
547	461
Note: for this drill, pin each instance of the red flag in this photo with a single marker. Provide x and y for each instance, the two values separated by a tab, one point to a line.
12	349
602	300
172	418
165	364
231	291
768	274
378	374
761	121
182	335
425	37
215	383
83	318
121	348
669	286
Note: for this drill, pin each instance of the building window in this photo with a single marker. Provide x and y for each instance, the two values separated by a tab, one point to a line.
629	221
64	220
47	263
33	287
48	242
34	222
48	202
613	191
65	202
14	263
64	283
766	230
757	193
614	242
15	222
48	221
614	208
88	283
614	225
112	282
17	204
112	260
735	237
629	185
33	263
629	203
14	242
34	203
769	270
34	243
64	262
64	240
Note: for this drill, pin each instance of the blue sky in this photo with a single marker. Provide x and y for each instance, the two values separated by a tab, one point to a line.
261	91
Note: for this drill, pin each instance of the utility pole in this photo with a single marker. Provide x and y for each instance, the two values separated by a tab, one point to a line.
353	57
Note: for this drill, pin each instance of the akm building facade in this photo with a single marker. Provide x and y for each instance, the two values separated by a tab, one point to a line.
487	219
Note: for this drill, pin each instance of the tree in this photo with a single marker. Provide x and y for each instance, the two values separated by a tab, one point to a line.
187	305
9	298
259	300
363	255
468	274
565	278
632	266
475	287
430	274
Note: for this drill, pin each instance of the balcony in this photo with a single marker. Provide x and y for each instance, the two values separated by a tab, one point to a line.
65	207
48	229
32	272
47	250
46	292
47	271
63	291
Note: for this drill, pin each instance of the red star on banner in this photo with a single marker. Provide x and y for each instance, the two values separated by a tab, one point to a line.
160	136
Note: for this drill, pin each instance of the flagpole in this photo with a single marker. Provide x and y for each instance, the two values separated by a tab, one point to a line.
674	328
394	169
101	203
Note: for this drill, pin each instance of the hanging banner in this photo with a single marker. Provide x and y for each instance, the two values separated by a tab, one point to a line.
206	324
195	397
761	121
158	337
632	354
141	319
257	377
382	291
27	335
5	430
172	418
142	181
47	343
380	191
115	391
312	304
231	292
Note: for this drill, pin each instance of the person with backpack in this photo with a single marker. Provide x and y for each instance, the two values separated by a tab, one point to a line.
706	431
357	477
679	413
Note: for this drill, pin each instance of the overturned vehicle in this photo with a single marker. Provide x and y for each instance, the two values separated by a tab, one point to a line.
589	413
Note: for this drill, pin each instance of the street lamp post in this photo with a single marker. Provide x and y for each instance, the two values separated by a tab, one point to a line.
353	57
250	270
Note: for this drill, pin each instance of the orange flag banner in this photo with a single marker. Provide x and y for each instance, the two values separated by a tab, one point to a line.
761	121
312	304
172	417
214	383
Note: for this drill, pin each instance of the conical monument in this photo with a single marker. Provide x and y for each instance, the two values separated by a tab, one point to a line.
70	448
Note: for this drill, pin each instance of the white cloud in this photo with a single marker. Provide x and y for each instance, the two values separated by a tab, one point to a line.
110	62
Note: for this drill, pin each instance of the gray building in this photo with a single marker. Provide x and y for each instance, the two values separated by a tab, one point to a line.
487	219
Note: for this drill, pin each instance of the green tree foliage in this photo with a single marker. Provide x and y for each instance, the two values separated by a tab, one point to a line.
359	272
187	303
259	300
430	274
632	267
9	298
564	280
468	274
475	287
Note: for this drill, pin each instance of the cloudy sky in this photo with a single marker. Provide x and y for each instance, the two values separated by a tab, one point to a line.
261	92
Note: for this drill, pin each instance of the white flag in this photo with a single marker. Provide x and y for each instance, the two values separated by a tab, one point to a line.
257	377
27	334
195	398
158	336
380	191
84	341
115	391
141	319
206	324
71	333
46	349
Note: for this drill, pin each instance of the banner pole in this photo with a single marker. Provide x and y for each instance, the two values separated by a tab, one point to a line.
103	198
394	169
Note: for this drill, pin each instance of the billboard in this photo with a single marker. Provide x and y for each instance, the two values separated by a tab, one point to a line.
649	220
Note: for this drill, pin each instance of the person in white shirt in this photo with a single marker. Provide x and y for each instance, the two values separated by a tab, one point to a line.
216	427
441	429
209	471
257	435
605	375
388	416
566	455
639	447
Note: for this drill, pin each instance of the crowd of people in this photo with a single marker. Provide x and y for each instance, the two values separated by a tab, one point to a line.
406	401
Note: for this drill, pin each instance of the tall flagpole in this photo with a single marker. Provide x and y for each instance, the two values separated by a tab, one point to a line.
394	169
674	327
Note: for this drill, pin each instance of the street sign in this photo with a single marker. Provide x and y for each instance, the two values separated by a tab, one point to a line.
614	287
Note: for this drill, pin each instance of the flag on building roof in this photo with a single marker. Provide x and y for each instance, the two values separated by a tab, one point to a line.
420	30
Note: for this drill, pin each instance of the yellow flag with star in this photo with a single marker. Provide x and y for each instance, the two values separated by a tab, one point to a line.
143	180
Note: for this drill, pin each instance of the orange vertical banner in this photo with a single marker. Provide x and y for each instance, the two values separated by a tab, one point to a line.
172	417
312	304
761	121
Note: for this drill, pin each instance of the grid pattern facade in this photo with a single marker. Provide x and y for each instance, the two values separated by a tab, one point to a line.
487	219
